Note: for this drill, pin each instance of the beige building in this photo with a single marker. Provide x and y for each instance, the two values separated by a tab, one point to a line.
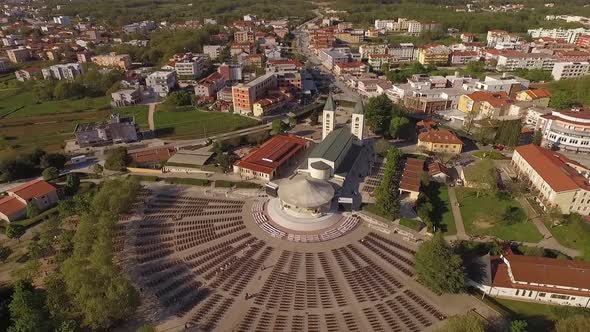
112	59
39	193
556	180
18	55
439	141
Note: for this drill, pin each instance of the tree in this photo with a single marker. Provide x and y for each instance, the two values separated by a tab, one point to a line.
32	210
116	159
438	268
513	215
277	127
378	112
577	323
179	98
72	183
508	132
518	326
50	173
97	169
380	147
484	173
5	252
65	89
464	323
538	138
14	231
399	127
562	100
56	160
27	309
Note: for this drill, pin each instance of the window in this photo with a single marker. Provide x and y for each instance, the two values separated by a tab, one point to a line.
559	297
517	291
541	294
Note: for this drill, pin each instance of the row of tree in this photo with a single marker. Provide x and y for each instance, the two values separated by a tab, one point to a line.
87	289
29	164
387	193
386	118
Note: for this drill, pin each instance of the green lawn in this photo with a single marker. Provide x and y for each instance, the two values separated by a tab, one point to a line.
442	214
140	112
411	224
482	216
198	124
575	234
27	105
540	317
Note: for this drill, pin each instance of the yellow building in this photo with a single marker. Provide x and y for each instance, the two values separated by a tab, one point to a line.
434	54
486	104
440	141
539	97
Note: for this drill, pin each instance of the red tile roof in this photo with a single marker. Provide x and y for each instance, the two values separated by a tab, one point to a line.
496	99
32	189
553	168
441	136
542	271
11	205
411	175
437	168
354	64
272	154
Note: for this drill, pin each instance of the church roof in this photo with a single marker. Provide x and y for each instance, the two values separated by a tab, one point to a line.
359	107
330	104
333	146
306	192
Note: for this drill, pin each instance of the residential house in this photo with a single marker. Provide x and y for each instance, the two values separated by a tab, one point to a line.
210	85
115	130
565	70
485	104
39	193
538	97
122	61
161	83
439	141
125	97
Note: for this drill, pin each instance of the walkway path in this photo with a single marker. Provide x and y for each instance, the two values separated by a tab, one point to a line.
151	116
461	234
548	241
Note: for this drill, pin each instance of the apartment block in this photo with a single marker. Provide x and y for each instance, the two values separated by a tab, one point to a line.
212	51
112	59
564	70
18	55
68	71
245	94
434	54
161	82
514	61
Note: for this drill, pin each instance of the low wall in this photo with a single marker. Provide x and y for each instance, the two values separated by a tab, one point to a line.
144	170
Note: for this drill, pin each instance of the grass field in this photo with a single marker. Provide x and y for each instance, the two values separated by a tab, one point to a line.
442	214
198	124
140	112
411	224
539	317
575	234
481	215
27	105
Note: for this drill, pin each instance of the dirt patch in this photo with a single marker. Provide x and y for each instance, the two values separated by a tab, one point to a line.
483	224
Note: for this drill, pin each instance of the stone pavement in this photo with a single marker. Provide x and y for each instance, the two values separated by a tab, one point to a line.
461	234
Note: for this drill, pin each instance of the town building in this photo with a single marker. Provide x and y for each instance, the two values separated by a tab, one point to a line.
122	61
68	71
39	193
376	61
245	94
26	74
18	55
495	37
583	41
161	83
272	159
140	27
189	65
514	61
567	130
534	279
484	104
565	70
3	64
354	68
213	51
271	102
125	97
84	56
439	141
571	56
569	35
538	97
504	82
230	72
464	57
409	184
115	130
283	66
244	37
402	52
210	85
556	180
434	54
330	57
367	49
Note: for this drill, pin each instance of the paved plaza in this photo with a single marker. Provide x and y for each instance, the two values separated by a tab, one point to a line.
206	263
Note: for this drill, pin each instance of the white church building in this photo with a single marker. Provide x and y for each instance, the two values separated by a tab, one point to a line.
328	155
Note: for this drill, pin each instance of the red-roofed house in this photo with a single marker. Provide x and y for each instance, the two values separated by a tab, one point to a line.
536	279
411	175
271	158
555	179
38	192
539	97
485	104
439	141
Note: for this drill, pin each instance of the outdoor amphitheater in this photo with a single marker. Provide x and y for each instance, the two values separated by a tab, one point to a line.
211	263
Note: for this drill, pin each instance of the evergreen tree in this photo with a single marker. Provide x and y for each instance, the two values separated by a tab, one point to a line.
438	268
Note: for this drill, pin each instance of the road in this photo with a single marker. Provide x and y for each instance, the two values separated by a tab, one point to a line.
151	121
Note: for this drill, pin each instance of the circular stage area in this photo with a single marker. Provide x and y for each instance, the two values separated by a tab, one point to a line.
278	223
